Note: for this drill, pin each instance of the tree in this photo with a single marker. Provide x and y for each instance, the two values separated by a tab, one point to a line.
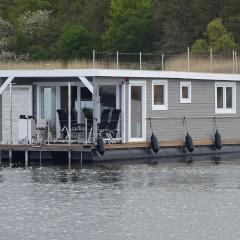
216	37
34	24
75	41
6	28
130	26
20	7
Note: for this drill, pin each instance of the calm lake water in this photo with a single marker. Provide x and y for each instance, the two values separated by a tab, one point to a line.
168	200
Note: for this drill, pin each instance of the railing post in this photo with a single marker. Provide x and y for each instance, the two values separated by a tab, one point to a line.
188	59
140	60
94	53
211	60
69	114
117	60
233	59
236	62
162	61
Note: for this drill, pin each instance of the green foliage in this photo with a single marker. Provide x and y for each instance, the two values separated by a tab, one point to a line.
75	41
21	6
18	43
130	26
216	37
200	46
35	27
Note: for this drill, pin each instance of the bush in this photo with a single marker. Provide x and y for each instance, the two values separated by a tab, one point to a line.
75	41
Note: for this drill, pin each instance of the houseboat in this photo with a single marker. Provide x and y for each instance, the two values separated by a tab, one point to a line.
103	114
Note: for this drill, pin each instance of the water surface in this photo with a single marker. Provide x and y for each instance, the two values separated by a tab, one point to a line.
168	200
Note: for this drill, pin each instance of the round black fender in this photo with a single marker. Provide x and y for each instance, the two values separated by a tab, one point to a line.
189	143
154	143
218	140
100	145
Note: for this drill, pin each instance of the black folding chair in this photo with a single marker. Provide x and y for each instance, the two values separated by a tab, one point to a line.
112	128
104	121
63	121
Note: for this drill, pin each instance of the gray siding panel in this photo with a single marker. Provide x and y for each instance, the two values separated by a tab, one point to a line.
203	105
200	125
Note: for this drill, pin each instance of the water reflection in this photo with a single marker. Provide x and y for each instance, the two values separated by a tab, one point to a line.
163	200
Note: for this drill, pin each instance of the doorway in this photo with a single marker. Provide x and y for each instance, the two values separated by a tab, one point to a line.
137	111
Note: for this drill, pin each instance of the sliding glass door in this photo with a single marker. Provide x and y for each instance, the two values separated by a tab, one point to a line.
48	107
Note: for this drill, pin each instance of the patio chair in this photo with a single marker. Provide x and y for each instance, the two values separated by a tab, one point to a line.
112	130
102	126
63	121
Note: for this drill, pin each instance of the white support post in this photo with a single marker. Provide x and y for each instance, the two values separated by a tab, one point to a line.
140	60
188	59
117	60
69	114
211	60
10	113
162	61
5	84
86	131
86	83
94	98
94	53
123	125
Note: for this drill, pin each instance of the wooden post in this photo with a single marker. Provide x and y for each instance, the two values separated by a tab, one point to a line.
69	159
40	158
10	158
26	158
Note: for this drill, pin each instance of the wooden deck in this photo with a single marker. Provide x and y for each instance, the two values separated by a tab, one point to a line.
80	147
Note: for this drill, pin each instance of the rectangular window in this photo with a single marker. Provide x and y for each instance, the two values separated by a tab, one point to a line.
159	95
185	92
225	97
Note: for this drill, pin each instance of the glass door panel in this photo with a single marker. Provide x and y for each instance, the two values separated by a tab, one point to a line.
48	107
107	96
136	112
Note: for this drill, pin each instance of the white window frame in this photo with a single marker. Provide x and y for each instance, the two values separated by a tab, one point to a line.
164	106
189	86
225	110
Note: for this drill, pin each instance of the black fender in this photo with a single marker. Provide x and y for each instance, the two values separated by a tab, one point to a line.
189	143
154	143
218	140
100	145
